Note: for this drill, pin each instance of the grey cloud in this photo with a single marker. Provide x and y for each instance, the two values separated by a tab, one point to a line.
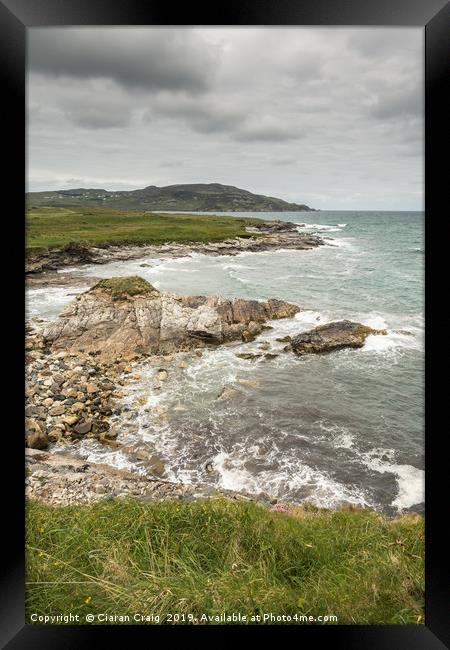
266	133
203	115
134	58
398	103
383	43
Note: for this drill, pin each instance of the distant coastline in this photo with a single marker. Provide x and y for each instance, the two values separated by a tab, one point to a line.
208	197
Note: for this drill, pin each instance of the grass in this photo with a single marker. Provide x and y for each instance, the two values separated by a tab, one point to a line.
49	227
131	285
122	556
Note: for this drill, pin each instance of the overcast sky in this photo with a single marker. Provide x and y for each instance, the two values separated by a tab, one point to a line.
330	117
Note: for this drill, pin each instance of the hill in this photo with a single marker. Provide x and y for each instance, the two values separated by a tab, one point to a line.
204	197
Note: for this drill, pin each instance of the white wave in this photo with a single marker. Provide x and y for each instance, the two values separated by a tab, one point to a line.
340	436
337	243
292	475
48	302
233	266
321	226
341	225
410	479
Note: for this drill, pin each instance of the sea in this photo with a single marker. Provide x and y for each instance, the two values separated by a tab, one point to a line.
340	428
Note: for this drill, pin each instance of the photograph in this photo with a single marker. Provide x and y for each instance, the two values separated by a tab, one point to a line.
224	334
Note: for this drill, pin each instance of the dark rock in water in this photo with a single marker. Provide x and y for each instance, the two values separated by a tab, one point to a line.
250	356
332	336
83	427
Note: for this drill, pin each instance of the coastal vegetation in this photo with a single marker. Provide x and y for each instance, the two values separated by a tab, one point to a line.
217	555
132	285
50	227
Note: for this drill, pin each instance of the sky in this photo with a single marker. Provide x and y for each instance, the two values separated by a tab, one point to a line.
330	117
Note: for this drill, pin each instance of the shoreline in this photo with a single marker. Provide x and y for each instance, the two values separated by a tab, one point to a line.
52	260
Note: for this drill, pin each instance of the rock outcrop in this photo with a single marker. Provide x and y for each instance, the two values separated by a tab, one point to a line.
333	336
127	315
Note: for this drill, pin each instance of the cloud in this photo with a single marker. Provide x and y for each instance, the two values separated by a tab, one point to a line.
398	103
208	114
267	129
133	57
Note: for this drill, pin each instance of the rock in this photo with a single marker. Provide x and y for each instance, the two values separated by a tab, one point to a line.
141	454
157	466
92	388
250	356
120	315
227	392
209	468
83	427
54	435
77	407
57	410
70	420
162	374
36	438
111	434
183	364
332	336
253	383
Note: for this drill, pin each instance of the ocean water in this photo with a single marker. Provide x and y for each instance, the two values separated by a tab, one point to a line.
343	427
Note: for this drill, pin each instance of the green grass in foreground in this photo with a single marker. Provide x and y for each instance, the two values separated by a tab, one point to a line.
54	227
208	557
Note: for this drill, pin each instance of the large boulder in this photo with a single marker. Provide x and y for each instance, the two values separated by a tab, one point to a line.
333	336
127	315
35	436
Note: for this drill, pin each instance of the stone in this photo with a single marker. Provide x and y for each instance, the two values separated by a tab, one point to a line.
157	466
77	407
250	356
83	427
92	388
332	336
36	437
162	374
54	435
57	410
70	420
227	392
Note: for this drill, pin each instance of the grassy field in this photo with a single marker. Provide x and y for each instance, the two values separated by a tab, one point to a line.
205	558
56	227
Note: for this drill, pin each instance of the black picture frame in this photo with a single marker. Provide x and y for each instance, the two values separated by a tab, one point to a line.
434	15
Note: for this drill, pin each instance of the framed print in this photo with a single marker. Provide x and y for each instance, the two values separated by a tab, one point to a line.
225	321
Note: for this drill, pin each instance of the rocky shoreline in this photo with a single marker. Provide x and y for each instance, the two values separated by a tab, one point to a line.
269	236
64	479
77	369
